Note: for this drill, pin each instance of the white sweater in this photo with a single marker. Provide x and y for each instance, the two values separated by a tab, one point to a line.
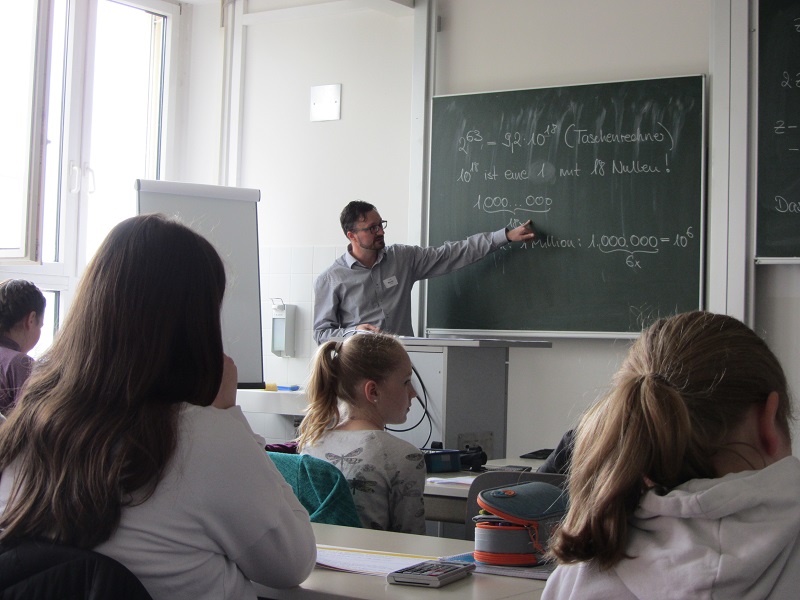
221	516
733	537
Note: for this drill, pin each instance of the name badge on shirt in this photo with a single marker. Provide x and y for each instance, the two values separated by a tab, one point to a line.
390	281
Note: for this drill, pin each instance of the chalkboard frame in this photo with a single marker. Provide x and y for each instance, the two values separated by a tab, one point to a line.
697	292
778	98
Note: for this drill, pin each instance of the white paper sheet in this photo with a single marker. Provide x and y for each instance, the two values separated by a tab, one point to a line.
367	562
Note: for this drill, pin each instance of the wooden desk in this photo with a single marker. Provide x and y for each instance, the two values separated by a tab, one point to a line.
327	584
447	503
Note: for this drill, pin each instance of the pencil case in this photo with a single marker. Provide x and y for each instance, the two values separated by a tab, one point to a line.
517	522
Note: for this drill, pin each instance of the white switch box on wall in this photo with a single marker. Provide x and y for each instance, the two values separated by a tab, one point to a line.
326	102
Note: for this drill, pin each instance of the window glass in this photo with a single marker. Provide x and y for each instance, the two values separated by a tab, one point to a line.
51	320
105	80
17	54
126	114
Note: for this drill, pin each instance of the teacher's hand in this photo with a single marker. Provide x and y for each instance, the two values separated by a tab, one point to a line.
521	233
368	327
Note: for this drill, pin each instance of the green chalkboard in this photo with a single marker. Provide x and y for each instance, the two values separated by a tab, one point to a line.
778	196
612	176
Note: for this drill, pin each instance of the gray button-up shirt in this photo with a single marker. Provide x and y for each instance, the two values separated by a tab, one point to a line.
348	293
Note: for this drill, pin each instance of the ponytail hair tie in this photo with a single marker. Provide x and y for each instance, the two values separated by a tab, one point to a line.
661	379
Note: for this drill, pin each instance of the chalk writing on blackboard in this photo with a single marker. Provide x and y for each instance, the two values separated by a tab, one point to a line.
778	171
523	206
611	176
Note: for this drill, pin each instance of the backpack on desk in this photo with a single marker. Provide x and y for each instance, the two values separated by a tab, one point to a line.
517	527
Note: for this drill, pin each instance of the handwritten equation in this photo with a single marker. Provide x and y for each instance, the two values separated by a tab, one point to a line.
475	141
488	161
630	247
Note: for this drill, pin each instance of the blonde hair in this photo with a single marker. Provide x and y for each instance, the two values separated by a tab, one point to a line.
337	370
686	383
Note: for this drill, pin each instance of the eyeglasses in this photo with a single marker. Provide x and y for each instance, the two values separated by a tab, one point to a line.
373	229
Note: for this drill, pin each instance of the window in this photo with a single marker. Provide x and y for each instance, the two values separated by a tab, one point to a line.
127	95
20	47
101	76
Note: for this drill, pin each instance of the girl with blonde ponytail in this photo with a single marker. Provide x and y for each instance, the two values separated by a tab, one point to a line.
682	483
356	388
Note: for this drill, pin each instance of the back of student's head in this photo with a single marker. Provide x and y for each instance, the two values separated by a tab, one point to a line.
18	299
352	213
338	370
149	306
686	384
97	419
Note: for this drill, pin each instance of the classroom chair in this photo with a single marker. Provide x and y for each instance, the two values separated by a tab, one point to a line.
491	479
321	488
47	571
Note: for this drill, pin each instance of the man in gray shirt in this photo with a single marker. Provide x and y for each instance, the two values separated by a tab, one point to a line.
369	286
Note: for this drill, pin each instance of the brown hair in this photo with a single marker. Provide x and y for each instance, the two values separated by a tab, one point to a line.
97	421
18	299
685	384
337	370
352	213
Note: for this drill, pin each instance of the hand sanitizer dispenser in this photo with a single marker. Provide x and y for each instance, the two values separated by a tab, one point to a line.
282	328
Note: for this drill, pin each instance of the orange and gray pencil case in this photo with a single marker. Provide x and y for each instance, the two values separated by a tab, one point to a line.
516	522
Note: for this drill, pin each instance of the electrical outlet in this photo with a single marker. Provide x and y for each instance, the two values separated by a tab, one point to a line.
484	439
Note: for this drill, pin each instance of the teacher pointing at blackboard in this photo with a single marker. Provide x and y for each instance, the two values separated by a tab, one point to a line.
369	286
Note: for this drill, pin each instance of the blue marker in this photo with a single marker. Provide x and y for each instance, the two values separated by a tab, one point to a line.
288	388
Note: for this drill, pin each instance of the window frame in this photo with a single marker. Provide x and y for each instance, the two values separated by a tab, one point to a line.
62	276
29	250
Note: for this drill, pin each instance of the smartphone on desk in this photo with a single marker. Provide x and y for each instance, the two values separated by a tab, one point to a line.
431	573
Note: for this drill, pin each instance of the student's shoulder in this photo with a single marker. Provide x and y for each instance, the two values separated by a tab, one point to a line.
15	357
398	445
23	360
213	422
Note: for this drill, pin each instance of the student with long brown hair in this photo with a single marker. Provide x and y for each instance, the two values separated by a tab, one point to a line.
683	483
127	440
370	375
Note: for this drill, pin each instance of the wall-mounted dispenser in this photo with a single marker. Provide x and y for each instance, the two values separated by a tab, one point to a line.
282	328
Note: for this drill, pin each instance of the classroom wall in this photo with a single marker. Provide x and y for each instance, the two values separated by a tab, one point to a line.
308	171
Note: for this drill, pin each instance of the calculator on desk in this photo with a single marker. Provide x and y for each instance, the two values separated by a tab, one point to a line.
431	573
